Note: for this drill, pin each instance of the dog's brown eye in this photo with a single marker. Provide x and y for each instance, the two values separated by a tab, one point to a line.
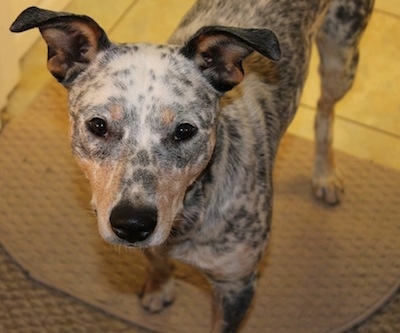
98	126
184	132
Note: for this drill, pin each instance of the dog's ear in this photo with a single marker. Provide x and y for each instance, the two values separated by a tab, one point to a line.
219	52
73	40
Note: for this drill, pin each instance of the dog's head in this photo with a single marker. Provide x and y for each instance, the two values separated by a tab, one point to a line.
143	117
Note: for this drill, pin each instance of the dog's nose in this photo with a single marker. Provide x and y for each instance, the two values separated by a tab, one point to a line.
133	224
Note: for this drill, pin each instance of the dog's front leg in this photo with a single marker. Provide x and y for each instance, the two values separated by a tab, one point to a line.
158	289
231	301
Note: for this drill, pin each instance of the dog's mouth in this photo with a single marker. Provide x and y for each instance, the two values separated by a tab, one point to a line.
140	219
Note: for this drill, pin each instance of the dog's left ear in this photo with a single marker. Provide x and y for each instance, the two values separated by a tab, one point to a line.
219	52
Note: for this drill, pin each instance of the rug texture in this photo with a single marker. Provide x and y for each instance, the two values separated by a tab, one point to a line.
327	268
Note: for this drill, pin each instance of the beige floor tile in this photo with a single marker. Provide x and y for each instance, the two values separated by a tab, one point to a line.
105	12
151	21
34	76
374	100
390	6
352	138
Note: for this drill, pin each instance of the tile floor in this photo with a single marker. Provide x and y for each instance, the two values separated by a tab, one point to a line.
368	118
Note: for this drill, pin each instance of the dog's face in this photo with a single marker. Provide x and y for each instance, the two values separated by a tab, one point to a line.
143	125
143	117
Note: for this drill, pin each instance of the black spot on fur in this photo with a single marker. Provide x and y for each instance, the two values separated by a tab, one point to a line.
152	75
354	16
143	158
145	178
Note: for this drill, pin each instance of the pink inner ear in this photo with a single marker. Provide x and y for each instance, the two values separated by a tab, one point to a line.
221	56
70	48
58	45
208	60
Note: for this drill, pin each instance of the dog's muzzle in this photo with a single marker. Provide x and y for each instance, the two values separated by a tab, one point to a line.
133	224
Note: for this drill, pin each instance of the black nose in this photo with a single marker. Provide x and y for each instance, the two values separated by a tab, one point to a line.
133	224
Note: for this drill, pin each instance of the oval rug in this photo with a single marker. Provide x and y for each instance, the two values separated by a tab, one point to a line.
327	268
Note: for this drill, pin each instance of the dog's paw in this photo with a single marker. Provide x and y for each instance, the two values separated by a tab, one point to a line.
329	188
156	297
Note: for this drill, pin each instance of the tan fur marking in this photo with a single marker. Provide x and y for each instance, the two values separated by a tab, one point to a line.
158	290
167	116
205	43
104	181
217	321
171	189
263	67
116	112
158	273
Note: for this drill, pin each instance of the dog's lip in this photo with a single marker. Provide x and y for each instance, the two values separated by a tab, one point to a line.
133	245
120	242
137	245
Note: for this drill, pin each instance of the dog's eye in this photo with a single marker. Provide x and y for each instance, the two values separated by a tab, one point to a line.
98	126
184	132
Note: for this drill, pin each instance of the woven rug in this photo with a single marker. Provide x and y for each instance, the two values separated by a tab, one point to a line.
327	268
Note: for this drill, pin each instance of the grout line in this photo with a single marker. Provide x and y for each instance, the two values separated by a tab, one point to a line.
385	12
354	122
124	14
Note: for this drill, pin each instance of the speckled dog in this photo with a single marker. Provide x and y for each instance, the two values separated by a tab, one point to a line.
179	145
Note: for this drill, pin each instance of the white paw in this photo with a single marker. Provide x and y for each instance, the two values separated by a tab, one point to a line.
156	297
328	188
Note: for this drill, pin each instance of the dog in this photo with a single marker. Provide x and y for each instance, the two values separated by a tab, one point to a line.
178	141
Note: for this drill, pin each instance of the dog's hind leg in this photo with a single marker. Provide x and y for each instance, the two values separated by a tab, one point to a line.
158	290
337	42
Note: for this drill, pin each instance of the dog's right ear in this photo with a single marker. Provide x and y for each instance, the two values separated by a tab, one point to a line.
73	40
